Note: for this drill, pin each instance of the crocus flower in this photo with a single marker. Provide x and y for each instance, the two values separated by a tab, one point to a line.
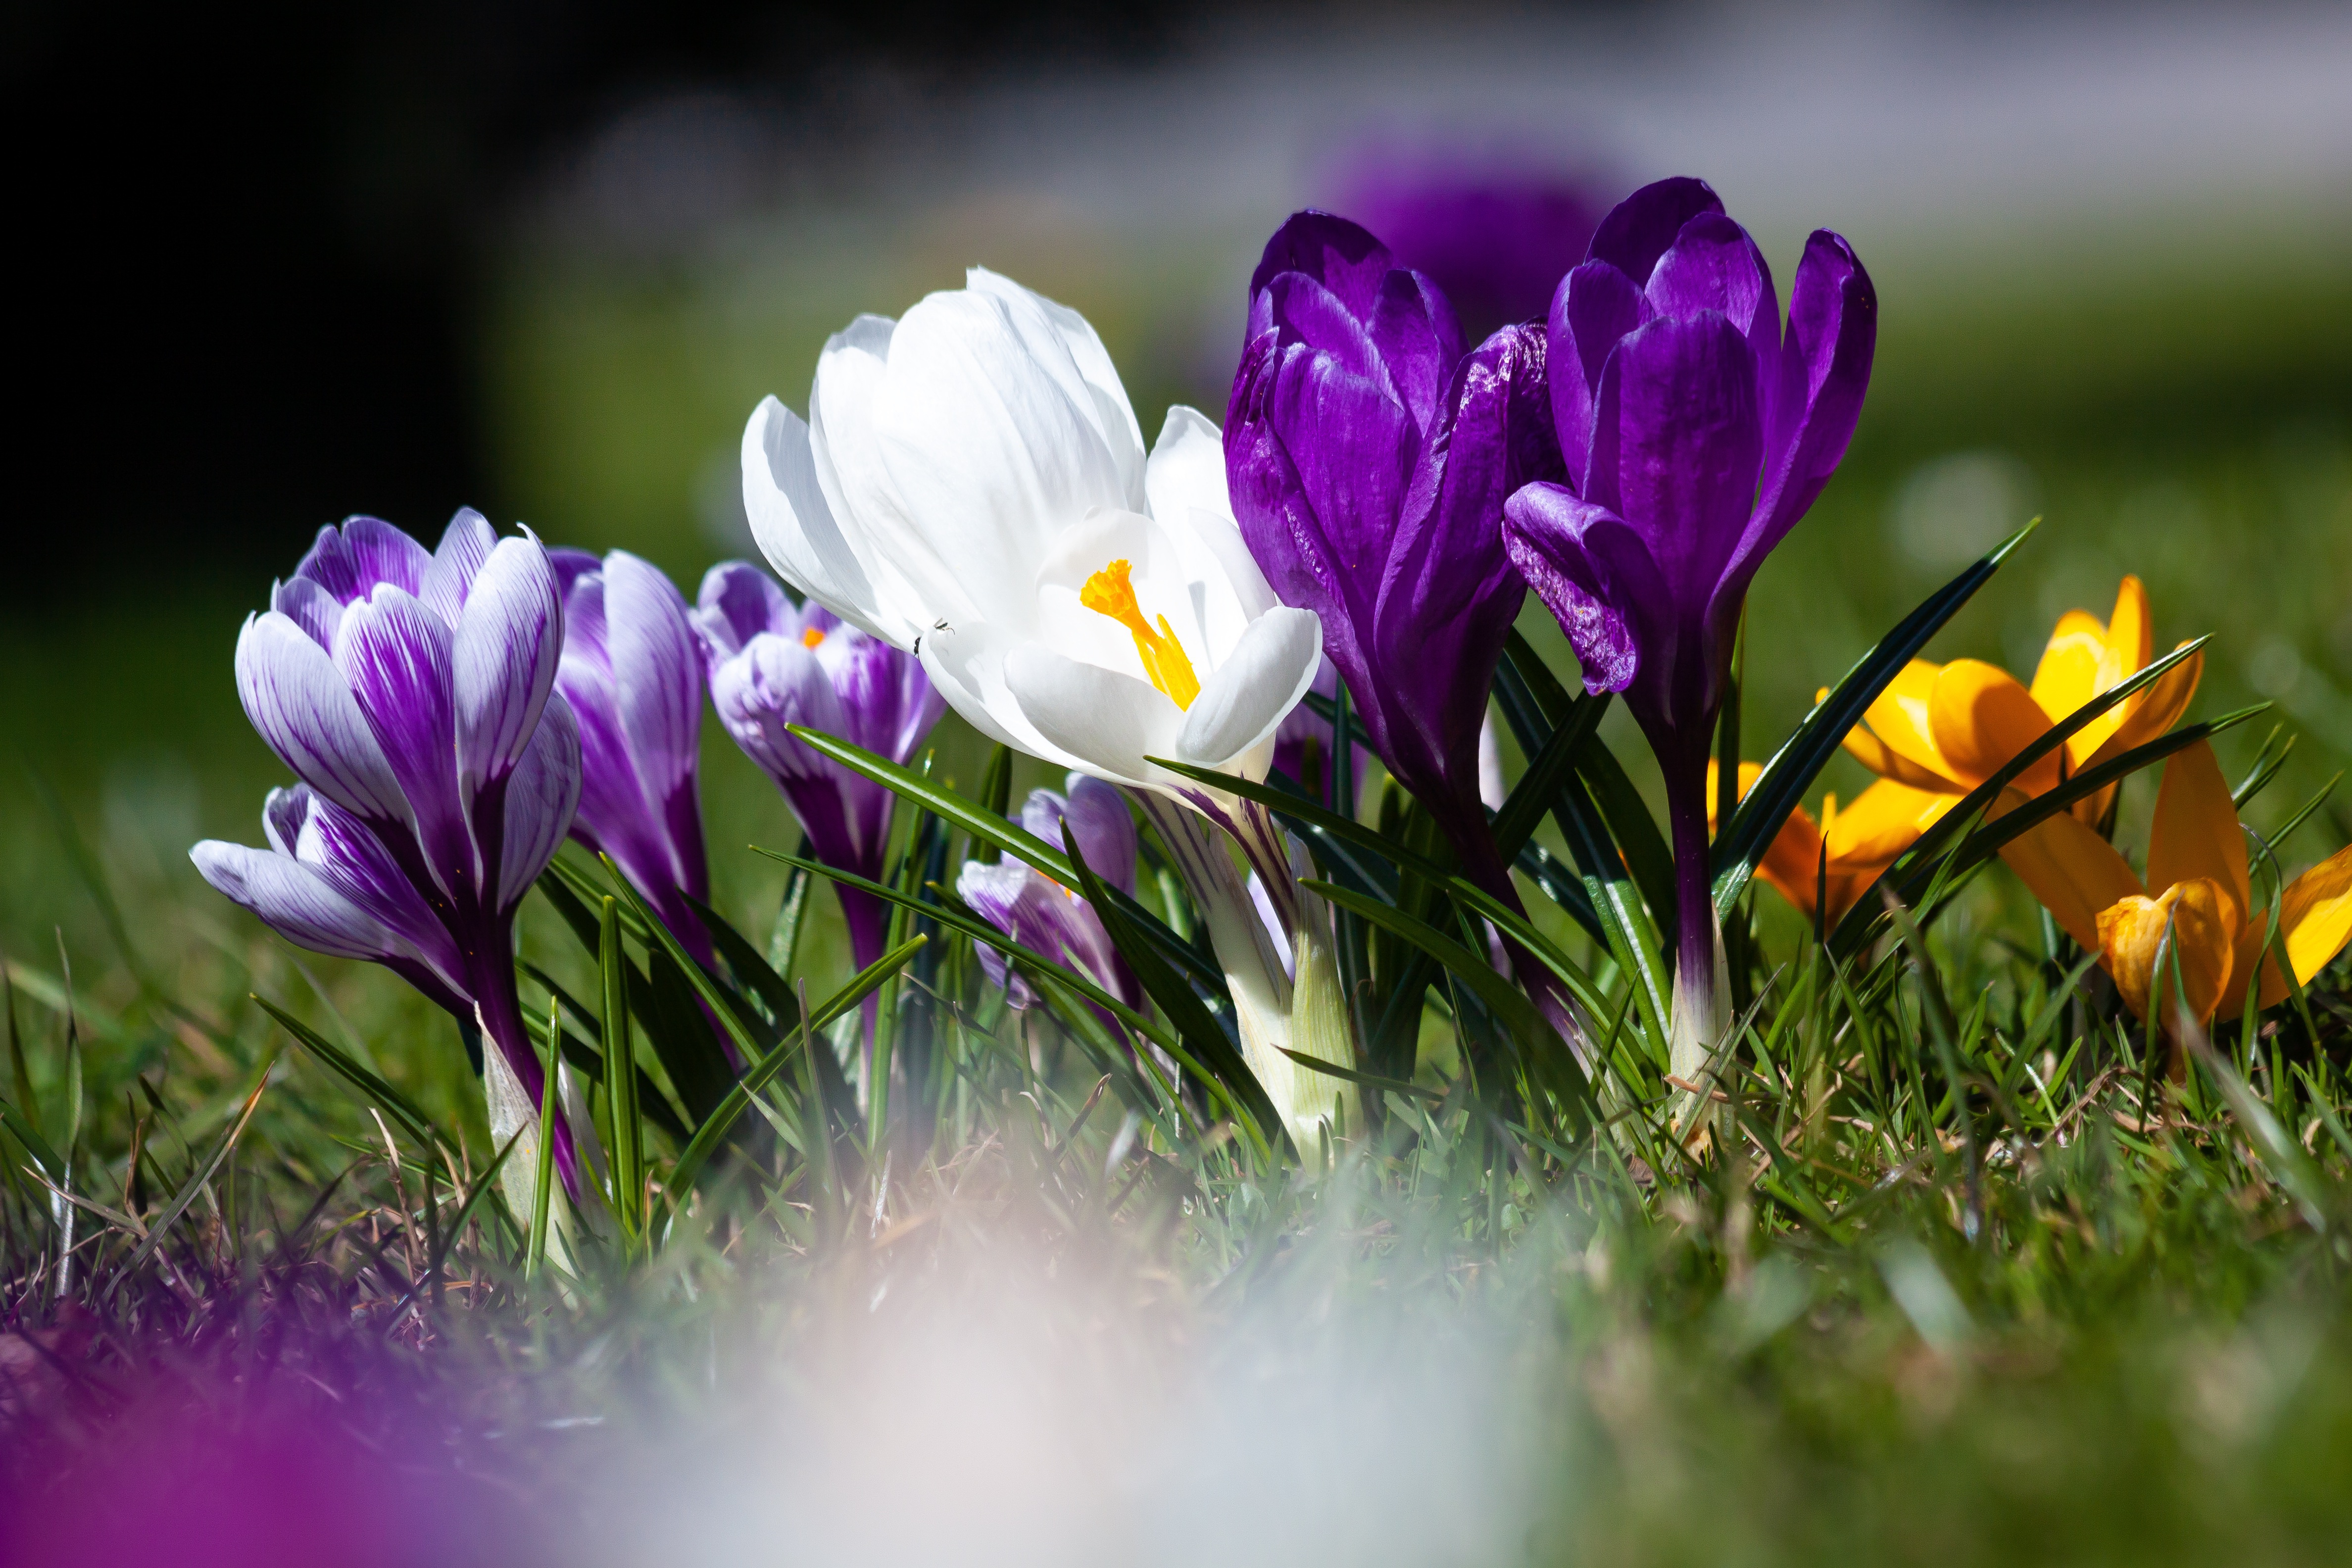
1042	915
971	485
1694	438
2198	894
772	665
1490	230
1861	840
412	695
632	672
1369	458
1948	727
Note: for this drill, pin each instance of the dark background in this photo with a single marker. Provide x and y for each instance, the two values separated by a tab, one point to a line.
249	239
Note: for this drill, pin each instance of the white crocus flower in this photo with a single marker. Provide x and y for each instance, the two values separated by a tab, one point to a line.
970	484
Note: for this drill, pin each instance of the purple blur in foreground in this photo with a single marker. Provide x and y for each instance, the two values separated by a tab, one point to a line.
1042	915
632	671
1494	234
1369	460
1694	438
772	665
412	695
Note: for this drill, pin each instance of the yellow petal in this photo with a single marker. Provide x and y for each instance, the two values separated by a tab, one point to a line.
2074	871
1793	864
2137	721
2195	833
1883	821
1898	743
2062	680
2131	634
1982	717
2203	928
1748	773
2316	914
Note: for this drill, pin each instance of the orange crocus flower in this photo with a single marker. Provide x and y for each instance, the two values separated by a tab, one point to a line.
2197	887
1947	728
1863	839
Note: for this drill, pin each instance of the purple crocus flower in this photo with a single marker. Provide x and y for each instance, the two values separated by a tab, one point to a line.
1695	435
412	695
1369	458
1042	915
632	671
1491	230
772	665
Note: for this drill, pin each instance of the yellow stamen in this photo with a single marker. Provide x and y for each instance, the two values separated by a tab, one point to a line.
1108	592
811	636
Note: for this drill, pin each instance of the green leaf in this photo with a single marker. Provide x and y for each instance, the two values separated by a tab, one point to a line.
390	1100
1740	846
620	1078
17	1122
751	971
196	1179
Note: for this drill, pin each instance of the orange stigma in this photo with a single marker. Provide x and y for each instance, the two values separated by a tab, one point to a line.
1109	593
811	636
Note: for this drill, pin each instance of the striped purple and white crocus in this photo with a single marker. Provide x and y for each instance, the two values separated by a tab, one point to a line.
1032	909
413	695
773	664
632	671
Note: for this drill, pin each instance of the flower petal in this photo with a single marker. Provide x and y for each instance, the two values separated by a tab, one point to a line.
656	672
737	603
1342	256
774	682
396	655
797	528
1980	718
1596	306
303	708
2067	675
540	795
2131	634
1640	228
1543	527
358	864
1882	822
308	605
1105	722
1114	415
2153	712
2317	915
2071	871
449	576
1262	678
966	666
366	551
1097	814
2202	928
293	900
1713	265
502	661
1187	468
2195	832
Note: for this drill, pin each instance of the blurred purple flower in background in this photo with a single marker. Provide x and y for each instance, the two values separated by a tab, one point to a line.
1039	912
1369	458
1694	438
1491	231
632	671
413	695
771	665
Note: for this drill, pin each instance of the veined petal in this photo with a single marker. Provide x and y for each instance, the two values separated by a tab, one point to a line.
541	794
1262	678
737	603
1114	415
1107	723
308	605
395	654
798	530
283	814
1097	814
292	899
303	708
2201	924
449	577
353	861
775	682
350	561
1981	718
502	661
2074	871
1543	530
2195	832
656	672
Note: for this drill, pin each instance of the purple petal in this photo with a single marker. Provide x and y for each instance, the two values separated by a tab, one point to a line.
310	606
737	603
587	651
887	704
1303	311
366	551
1414	330
1098	816
774	682
283	813
540	795
570	565
303	708
293	900
358	864
503	661
1342	256
1677	443
466	544
1543	527
657	674
1638	230
1715	266
1596	306
396	655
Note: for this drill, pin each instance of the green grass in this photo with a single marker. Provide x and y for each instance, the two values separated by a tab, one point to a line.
1568	1348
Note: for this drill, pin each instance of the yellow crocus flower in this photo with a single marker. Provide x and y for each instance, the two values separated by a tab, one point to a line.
2197	887
1862	839
1947	728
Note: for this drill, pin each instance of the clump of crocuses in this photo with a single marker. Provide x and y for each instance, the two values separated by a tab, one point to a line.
412	693
1695	435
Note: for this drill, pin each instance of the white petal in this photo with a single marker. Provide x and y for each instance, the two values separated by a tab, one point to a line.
1114	415
503	659
966	667
304	708
541	795
797	528
1187	468
1105	722
293	900
1263	679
